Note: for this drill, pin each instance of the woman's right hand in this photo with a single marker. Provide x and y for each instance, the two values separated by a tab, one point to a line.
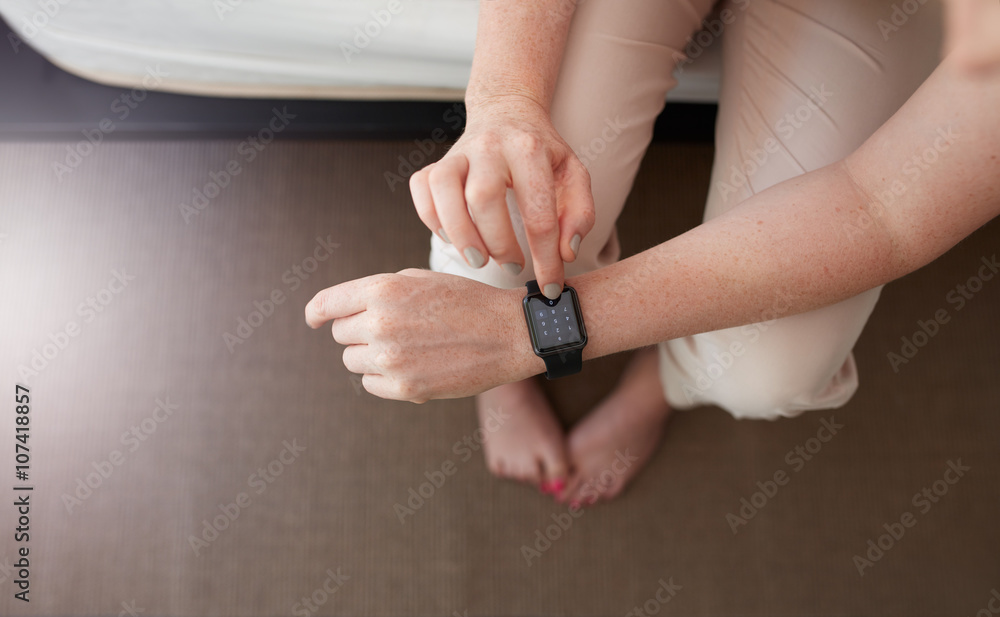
509	142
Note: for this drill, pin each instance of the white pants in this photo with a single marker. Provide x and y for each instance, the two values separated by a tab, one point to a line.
804	83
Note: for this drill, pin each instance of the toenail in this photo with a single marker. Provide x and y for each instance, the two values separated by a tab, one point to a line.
558	485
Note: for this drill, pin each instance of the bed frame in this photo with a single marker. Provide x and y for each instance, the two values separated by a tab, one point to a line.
42	101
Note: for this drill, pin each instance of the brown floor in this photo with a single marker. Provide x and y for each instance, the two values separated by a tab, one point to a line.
332	506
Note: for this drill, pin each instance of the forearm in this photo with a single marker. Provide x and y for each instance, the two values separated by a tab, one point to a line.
819	238
782	252
925	180
519	47
787	250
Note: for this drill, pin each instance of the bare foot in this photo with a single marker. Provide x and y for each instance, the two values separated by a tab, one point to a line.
609	447
523	439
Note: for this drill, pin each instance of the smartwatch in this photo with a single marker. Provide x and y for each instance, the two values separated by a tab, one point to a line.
556	328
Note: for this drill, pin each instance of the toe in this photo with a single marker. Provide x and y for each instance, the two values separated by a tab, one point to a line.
523	472
553	468
580	491
612	490
589	493
497	467
569	489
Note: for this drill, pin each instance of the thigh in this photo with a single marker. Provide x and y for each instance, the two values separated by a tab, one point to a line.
617	71
776	367
805	82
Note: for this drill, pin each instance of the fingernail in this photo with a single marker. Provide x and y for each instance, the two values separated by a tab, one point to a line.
574	244
574	504
512	269
558	485
552	291
443	235
474	257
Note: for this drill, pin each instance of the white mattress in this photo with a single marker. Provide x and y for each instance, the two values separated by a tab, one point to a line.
420	49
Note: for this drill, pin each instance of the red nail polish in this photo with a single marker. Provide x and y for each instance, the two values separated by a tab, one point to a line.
558	485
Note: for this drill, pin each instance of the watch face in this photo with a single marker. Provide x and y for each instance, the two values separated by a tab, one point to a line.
555	324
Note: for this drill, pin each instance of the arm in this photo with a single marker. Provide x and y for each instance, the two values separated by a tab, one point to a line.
819	238
805	243
509	142
519	47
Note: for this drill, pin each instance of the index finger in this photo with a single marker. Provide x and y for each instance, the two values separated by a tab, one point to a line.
338	301
534	187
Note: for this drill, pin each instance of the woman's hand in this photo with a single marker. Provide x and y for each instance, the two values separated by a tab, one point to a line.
418	335
509	143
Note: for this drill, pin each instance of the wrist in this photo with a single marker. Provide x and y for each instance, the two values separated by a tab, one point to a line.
520	359
633	303
520	104
601	292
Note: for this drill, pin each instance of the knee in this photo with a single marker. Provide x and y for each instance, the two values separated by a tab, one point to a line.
756	400
762	393
446	259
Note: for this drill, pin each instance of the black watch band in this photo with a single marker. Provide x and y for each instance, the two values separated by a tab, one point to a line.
560	364
563	363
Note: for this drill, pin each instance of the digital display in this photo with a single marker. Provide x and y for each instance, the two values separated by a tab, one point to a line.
554	322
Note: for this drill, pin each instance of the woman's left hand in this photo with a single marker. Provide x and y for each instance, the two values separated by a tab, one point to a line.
418	335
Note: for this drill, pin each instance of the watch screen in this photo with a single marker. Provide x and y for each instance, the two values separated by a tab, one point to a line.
554	321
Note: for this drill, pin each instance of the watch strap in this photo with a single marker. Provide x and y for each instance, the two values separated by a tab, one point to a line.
563	363
533	287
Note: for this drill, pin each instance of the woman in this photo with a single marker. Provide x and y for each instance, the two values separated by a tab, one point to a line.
821	192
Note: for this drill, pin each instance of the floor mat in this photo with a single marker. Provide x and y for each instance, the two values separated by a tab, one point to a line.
196	449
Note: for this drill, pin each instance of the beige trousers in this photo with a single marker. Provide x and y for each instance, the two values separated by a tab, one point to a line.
804	83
